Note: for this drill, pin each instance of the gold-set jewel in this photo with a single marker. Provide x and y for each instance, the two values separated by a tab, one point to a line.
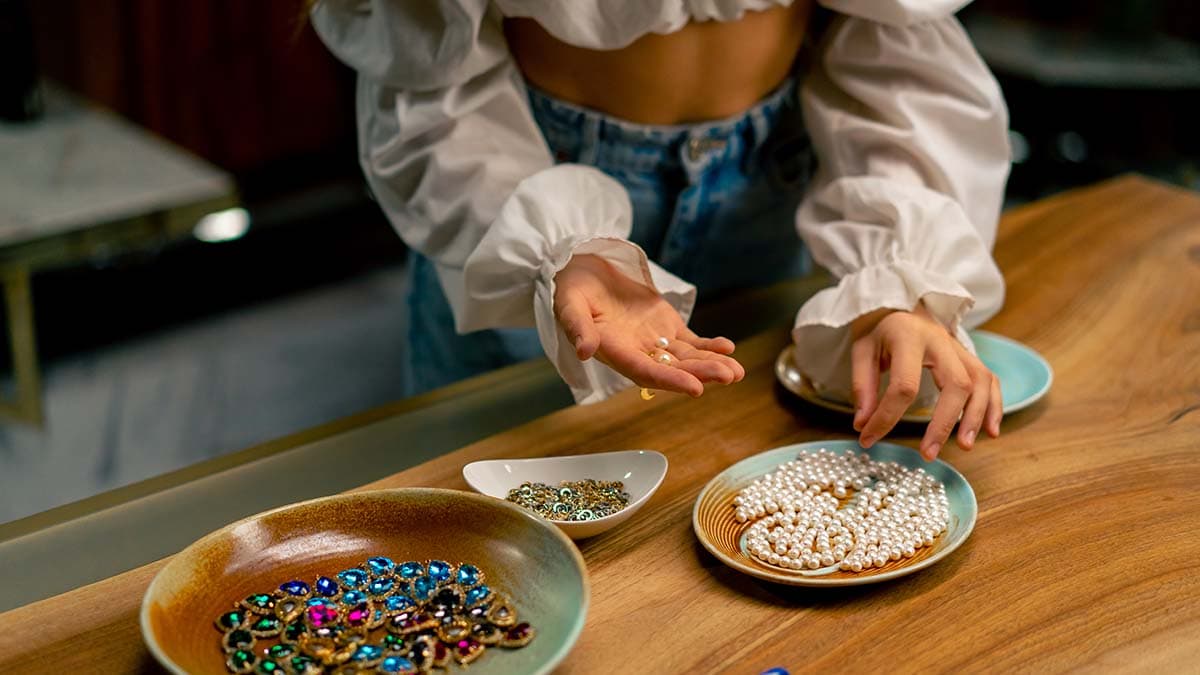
502	614
238	638
647	394
288	610
518	636
467	651
457	629
487	634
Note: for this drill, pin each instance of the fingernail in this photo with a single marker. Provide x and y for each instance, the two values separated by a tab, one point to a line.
932	451
868	441
970	436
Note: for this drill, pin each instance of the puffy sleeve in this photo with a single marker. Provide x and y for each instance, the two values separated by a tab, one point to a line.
455	159
910	130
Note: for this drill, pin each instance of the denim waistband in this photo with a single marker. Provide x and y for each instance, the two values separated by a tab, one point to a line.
603	139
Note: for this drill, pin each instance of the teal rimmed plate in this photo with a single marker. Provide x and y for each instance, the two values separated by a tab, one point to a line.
719	532
1025	376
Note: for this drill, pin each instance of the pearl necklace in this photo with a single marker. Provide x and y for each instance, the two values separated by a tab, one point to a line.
848	512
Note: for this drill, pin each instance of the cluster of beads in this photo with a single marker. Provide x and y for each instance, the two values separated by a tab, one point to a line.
829	511
587	499
378	617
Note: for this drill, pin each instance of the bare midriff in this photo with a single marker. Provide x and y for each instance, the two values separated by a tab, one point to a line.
705	71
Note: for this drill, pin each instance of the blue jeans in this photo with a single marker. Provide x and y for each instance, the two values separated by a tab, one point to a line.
714	203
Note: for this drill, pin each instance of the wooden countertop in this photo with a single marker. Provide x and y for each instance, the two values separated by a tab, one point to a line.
1085	552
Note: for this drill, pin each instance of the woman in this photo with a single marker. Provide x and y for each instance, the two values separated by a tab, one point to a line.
568	165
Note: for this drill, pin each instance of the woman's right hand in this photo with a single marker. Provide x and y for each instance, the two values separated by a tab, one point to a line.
619	321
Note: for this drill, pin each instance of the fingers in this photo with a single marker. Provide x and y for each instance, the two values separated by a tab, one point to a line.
995	410
647	372
864	378
575	317
718	345
956	387
977	405
706	365
904	383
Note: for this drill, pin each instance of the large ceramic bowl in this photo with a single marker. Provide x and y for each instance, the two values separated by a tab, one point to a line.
521	555
641	471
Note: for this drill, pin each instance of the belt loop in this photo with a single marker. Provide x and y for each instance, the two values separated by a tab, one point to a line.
589	142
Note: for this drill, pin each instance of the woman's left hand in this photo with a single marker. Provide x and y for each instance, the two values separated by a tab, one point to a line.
902	344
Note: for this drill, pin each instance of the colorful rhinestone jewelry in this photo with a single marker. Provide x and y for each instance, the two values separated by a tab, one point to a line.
378	617
828	512
587	499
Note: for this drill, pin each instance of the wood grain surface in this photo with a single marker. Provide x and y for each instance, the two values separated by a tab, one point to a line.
1085	555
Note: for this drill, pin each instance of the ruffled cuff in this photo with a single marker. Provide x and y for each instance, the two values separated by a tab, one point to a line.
822	328
553	215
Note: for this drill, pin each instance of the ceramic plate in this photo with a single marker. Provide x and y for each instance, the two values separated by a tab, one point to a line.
1025	376
642	471
724	537
520	555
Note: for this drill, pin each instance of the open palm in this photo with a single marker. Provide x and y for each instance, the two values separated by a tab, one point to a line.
619	321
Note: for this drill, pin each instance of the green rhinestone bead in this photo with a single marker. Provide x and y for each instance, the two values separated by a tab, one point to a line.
394	643
259	602
238	639
293	632
241	661
231	620
269	668
281	651
267	626
303	664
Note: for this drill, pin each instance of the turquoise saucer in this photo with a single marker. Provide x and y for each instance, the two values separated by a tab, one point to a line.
1025	376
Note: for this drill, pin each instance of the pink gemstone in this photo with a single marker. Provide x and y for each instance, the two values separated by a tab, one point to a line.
358	615
463	644
321	615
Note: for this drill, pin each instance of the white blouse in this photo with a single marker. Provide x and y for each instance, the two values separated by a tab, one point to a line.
909	127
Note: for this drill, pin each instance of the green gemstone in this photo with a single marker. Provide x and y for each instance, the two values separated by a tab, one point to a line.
242	658
266	624
232	619
281	651
300	664
261	601
268	667
393	642
294	631
238	638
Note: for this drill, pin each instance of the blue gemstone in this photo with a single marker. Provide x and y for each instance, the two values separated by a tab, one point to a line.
411	569
478	594
382	586
398	602
423	587
366	653
315	602
468	575
440	571
397	664
352	598
380	565
296	588
352	577
327	586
